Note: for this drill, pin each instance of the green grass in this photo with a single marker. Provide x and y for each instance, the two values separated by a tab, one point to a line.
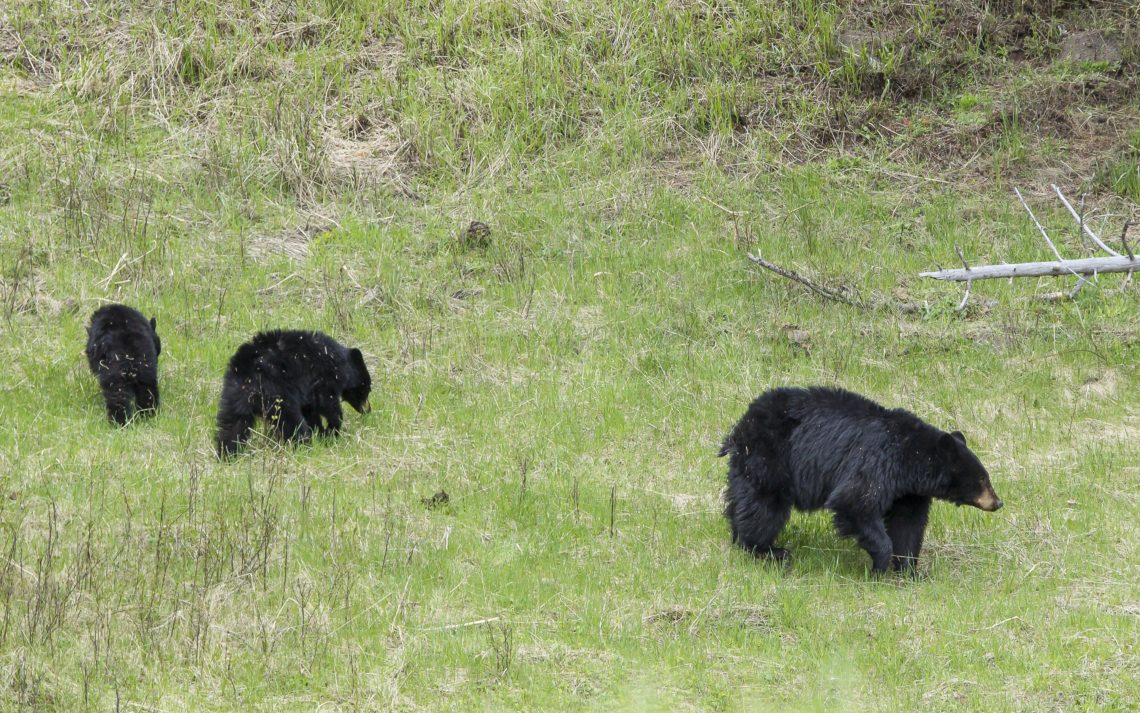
238	166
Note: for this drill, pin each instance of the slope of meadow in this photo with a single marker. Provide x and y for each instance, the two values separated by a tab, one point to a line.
236	165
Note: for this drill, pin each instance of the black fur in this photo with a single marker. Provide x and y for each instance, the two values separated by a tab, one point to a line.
122	351
294	380
876	469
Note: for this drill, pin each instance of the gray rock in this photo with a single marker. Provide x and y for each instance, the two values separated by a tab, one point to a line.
1092	46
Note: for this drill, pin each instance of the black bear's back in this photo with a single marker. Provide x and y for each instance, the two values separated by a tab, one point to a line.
837	437
120	332
289	356
809	442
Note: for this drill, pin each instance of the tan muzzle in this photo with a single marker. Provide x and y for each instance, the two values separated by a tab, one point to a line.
988	500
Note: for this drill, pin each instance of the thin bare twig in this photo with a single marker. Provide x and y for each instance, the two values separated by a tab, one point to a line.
1081	280
1088	231
825	292
1039	227
965	297
958	249
464	625
729	211
1124	238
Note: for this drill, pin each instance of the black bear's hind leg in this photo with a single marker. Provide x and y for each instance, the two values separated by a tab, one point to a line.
233	432
147	396
906	523
871	534
756	522
119	401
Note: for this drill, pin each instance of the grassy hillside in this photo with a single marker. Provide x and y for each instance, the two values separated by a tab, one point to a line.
233	166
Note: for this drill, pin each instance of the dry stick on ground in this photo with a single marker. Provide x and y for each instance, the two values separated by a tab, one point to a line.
1081	267
825	292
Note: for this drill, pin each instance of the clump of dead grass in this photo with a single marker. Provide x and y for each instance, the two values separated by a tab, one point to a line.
366	149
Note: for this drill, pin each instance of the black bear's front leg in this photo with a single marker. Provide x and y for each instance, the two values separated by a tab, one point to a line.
906	523
324	414
332	413
871	534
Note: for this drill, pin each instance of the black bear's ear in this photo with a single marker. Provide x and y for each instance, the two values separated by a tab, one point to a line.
948	442
153	324
357	359
959	436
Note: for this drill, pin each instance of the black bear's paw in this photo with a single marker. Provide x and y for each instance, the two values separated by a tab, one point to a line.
906	567
776	554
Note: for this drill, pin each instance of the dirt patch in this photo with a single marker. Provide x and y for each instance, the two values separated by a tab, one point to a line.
18	86
23	291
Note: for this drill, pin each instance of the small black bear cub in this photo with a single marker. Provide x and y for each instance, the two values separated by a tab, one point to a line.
295	381
875	469
122	351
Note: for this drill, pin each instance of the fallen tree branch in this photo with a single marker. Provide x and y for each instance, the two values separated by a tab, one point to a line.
1080	268
1085	266
825	292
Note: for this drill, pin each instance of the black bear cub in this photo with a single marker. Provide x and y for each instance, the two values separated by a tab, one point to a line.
295	381
875	469
122	351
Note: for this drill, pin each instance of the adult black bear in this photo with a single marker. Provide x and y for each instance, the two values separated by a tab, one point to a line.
295	381
876	469
122	351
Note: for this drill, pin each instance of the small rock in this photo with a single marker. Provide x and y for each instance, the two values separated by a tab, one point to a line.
436	501
465	293
798	337
477	235
1092	46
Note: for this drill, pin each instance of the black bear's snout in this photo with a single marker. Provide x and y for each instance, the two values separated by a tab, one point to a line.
988	500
